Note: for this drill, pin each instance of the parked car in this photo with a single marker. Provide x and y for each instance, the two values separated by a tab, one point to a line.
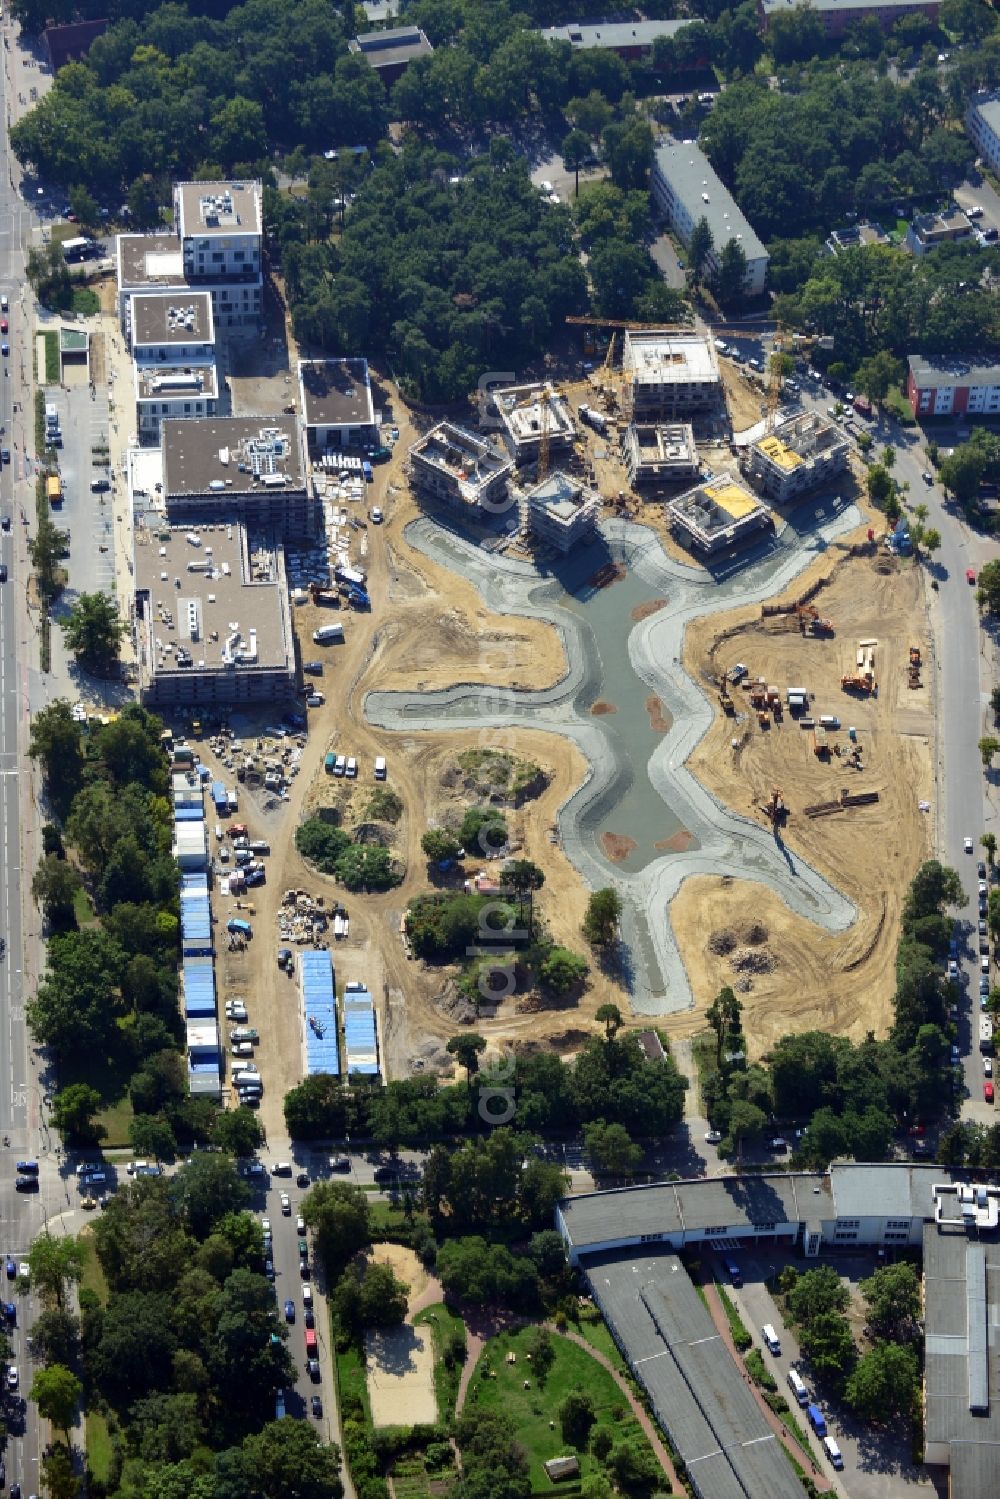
316	1405
286	1205
302	1180
713	1137
988	1092
289	1311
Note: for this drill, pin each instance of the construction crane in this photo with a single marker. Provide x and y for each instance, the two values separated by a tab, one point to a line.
608	322
542	466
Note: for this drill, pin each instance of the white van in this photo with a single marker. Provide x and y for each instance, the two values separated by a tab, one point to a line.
770	1337
834	1453
829	721
381	770
307	1296
797	1388
51	416
327	634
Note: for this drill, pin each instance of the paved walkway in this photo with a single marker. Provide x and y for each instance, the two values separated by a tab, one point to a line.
480	1327
718	1314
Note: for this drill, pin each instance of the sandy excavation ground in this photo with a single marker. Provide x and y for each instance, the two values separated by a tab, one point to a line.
800	977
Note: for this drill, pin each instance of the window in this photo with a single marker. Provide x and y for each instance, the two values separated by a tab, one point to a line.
649	1238
849	1223
898	1223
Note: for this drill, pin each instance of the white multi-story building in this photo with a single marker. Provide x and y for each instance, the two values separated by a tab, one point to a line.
220	227
669	374
982	121
686	189
172	340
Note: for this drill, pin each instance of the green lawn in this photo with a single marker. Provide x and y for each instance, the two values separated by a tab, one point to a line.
351	1376
442	1322
83	908
53	367
500	1386
100	1450
897	403
93	1276
593	1328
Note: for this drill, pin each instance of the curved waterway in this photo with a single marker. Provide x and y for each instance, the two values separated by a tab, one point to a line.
641	821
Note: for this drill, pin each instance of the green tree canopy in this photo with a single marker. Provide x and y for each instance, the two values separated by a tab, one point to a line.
93	631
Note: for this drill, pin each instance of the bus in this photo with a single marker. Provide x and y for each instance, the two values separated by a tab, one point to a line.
53	490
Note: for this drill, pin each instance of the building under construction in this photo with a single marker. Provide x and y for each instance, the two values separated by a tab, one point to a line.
560	511
530	413
658	454
801	454
668	374
452	464
718	515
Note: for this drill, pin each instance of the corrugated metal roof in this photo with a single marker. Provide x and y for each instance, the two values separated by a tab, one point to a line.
360	1038
199	987
319	1007
189	814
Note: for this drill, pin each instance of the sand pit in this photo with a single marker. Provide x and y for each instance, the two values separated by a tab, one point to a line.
400	1370
403	1263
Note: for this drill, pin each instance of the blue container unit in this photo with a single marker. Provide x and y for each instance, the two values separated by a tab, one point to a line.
220	797
319	1012
360	1038
189	813
196	916
199	989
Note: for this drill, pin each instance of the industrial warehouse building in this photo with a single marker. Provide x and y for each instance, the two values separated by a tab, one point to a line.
668	375
527	412
799	455
626	1241
560	511
335	398
460	468
686	188
717	514
659	454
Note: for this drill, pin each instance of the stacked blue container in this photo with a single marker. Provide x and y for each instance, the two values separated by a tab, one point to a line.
319	1011
360	1039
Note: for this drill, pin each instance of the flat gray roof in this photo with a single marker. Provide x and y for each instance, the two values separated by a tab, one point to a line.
770	6
218	208
962	1356
948	369
692	178
387	49
699	1395
231	610
230	455
675	1207
613	34
162	318
989	112
336	393
170	382
150	260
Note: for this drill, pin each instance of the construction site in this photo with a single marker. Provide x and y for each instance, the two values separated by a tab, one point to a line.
823	732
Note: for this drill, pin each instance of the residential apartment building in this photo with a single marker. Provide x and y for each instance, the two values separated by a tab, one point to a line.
838	15
391	52
335	398
248	468
452	464
982	121
172	341
946	386
669	374
929	230
685	189
630	40
798	456
560	511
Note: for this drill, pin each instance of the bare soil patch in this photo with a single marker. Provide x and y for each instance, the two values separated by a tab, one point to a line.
400	1369
601	707
643	611
617	846
657	722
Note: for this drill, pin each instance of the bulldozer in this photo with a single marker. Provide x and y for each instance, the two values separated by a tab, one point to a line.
811	621
864	683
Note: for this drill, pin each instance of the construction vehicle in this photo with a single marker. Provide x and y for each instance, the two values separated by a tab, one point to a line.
820	745
811	621
865	682
728	706
775	810
321	595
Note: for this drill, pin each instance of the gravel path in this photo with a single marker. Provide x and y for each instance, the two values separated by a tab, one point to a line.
727	843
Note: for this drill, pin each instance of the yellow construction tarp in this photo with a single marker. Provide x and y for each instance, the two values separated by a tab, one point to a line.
733	500
775	449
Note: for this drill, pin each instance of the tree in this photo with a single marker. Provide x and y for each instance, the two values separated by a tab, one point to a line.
367	867
369	1296
610	1016
538	1348
238	1131
828	1344
482	1273
962	473
611	1148
56	1337
485	829
730	282
84	205
467	1048
723	1015
55	886
60	1479
987	596
153	1136
337	1213
892	1296
205	1188
57	743
883	1384
321	843
54	1264
93	631
575	151
989	843
746	1121
817	1293
577	1415
876	376
600	923
73	1110
988	747
287	1460
522	875
560	971
879	484
56	1391
591	114
440	846
700	247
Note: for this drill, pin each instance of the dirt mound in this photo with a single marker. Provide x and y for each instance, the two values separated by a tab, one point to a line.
753	960
599	708
722	943
451	1002
754	934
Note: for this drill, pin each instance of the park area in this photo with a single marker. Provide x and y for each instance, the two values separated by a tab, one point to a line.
537	1380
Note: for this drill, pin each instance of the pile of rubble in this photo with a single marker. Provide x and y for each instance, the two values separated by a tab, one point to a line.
752	960
270	761
722	943
302	917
